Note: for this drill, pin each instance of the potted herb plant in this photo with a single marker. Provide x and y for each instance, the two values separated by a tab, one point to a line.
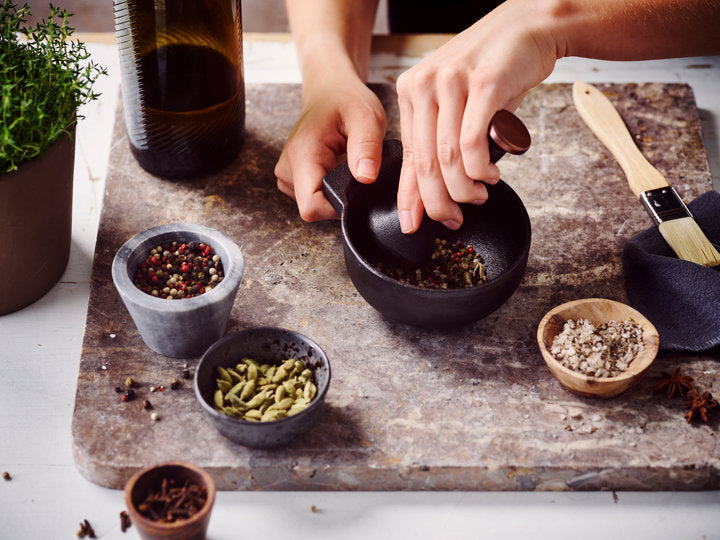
44	78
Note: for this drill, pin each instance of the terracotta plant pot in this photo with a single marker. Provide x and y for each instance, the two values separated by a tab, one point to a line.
36	225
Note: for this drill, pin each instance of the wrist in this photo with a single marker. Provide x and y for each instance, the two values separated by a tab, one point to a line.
326	56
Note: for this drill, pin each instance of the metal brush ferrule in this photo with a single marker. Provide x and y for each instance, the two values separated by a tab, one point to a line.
664	204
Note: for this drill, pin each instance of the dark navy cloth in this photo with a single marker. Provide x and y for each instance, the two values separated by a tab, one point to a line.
680	298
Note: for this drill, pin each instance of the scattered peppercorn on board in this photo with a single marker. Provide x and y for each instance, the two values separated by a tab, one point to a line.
469	409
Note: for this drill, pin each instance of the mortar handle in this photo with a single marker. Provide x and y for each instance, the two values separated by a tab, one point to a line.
339	183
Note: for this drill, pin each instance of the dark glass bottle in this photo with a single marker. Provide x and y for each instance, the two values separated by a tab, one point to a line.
182	83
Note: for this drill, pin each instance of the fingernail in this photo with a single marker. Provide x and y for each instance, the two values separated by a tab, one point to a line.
479	201
405	221
451	224
366	169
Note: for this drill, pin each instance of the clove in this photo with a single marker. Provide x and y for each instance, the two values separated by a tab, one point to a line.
85	530
173	502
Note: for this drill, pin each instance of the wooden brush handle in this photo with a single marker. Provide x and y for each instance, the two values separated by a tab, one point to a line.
604	121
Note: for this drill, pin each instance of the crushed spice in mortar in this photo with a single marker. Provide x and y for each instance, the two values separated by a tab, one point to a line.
451	266
602	351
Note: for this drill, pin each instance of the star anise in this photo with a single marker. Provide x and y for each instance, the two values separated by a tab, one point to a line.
675	383
699	404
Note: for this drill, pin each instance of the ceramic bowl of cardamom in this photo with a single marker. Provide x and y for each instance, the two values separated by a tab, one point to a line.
263	387
597	347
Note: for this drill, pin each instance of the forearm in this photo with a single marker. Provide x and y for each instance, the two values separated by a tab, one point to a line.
332	36
633	29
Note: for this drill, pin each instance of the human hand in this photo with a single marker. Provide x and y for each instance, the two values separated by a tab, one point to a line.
337	116
446	103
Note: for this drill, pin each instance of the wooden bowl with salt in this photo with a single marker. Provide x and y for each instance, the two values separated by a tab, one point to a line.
597	311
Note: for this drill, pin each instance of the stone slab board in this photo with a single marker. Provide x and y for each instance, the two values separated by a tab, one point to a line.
469	409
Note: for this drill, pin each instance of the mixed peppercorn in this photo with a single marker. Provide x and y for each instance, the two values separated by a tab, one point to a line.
179	270
451	266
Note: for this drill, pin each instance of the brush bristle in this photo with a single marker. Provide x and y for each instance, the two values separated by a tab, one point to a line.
688	241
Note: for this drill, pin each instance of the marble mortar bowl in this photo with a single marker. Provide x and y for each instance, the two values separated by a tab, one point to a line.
265	345
149	480
180	328
597	311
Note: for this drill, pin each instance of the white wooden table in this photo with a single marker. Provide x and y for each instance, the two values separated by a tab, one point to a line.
40	350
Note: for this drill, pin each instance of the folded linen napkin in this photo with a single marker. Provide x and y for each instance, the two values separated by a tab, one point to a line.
682	299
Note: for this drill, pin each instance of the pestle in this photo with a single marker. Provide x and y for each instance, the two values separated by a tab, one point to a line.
507	134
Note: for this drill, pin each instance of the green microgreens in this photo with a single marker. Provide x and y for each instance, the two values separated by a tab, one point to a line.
44	78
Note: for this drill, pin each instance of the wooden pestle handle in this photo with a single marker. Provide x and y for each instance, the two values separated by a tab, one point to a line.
605	122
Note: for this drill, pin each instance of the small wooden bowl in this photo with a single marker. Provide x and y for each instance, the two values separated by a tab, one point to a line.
597	311
149	480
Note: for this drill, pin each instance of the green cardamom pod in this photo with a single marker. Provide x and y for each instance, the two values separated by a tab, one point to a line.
280	374
296	408
281	405
264	392
236	402
248	389
232	411
256	400
310	390
254	414
270	372
224	375
289	364
235	375
223	385
219	399
273	415
235	389
250	362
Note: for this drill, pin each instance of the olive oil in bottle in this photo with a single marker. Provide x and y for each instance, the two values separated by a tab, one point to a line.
182	83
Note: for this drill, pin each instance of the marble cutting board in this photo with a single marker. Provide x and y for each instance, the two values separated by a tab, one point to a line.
469	409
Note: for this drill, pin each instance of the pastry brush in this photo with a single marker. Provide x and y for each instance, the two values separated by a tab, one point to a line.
673	219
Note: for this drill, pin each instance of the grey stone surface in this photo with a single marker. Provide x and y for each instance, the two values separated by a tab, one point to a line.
473	408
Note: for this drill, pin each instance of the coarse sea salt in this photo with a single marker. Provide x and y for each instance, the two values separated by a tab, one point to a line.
602	351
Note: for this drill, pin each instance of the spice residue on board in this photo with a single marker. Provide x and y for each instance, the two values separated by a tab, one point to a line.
603	351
